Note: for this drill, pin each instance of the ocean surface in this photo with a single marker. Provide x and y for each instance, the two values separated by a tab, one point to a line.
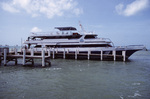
78	79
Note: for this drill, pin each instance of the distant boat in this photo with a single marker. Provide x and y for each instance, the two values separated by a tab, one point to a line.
71	39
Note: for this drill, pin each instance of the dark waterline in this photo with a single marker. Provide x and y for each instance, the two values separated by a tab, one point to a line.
79	79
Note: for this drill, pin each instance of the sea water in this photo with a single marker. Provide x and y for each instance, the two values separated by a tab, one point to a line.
78	79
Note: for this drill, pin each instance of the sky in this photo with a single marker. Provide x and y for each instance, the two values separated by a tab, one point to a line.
125	22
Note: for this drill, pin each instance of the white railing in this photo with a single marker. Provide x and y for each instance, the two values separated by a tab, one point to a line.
51	33
107	40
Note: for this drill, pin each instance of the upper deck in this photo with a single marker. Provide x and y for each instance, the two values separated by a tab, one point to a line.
67	35
62	33
66	28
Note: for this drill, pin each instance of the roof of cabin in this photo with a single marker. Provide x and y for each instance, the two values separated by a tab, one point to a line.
65	28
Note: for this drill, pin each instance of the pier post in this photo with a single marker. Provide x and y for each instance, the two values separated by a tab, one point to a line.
35	49
0	61
5	57
0	57
53	53
43	58
49	52
67	50
76	54
78	51
32	52
114	54
64	53
24	57
89	52
16	61
32	61
101	55
57	50
124	55
15	51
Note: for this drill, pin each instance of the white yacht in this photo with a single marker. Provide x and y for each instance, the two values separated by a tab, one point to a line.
69	38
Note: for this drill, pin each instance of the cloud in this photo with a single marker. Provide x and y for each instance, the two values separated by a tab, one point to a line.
35	29
49	8
78	11
133	8
9	8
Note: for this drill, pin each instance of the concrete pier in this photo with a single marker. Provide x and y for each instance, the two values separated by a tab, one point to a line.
7	57
46	53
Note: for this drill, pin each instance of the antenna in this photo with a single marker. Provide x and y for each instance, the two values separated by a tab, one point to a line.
81	27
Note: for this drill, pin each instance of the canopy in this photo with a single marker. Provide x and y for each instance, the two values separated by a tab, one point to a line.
65	28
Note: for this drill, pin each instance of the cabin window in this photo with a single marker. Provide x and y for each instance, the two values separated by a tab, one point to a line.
38	46
89	37
75	34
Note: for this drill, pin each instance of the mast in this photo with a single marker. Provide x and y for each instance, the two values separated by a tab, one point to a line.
81	27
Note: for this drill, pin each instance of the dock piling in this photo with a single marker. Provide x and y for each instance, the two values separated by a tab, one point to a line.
0	57
57	50
32	52
15	51
24	57
67	51
124	55
114	55
0	61
89	52
53	53
49	52
76	54
16	61
43	58
5	57
64	53
32	62
101	55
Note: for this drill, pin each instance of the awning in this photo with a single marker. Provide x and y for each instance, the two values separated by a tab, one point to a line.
65	28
